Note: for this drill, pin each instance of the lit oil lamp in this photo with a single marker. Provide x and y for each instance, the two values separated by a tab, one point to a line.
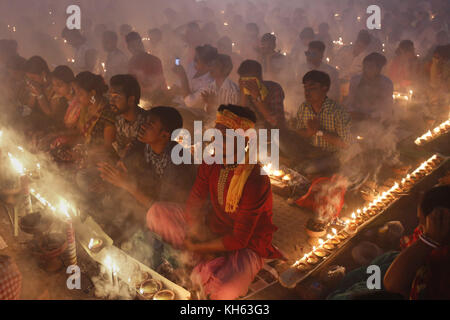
149	288
95	244
164	295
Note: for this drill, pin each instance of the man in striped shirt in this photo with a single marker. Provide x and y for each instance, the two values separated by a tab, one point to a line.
222	91
323	125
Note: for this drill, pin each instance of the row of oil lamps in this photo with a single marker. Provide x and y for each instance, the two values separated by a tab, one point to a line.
378	205
443	128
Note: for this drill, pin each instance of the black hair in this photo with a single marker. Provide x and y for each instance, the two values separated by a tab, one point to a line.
129	85
269	38
36	65
243	112
88	81
170	118
376	58
133	36
317	76
110	35
16	63
72	33
307	33
206	53
364	37
63	73
319	45
434	198
250	67
405	45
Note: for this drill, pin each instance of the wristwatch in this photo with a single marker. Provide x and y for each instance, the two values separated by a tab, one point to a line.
319	133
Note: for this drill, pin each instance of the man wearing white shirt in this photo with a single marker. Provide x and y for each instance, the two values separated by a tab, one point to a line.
197	78
222	90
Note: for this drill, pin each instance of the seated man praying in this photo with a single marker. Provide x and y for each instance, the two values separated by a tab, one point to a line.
148	174
124	96
238	235
323	126
265	98
371	93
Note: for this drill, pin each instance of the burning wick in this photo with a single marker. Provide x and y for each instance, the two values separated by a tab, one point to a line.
168	87
359	138
225	23
91	243
328	60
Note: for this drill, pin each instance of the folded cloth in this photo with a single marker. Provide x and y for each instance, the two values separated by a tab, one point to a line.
325	197
10	279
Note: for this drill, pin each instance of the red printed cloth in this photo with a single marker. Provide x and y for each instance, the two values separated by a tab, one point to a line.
432	281
10	279
325	197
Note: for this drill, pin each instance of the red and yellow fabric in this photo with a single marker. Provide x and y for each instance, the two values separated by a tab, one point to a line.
242	172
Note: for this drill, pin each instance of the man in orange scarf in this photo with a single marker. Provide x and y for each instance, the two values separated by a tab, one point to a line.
238	233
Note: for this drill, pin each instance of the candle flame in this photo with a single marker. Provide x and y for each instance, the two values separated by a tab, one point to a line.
64	208
17	165
91	243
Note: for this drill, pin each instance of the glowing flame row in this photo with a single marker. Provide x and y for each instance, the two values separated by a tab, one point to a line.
400	96
17	165
359	216
432	134
339	42
275	173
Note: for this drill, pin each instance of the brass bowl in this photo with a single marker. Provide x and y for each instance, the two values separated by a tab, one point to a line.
312	260
149	288
335	241
302	266
321	253
164	295
329	246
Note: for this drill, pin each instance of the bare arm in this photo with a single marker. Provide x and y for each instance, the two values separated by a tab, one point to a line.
400	275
